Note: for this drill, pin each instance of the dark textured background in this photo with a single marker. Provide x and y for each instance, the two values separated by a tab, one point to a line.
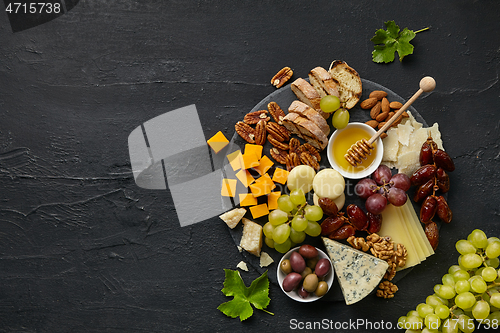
83	249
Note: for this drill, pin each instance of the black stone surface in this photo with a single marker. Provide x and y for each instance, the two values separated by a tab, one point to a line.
83	249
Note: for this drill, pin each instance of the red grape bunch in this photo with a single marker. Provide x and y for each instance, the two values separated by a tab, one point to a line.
383	188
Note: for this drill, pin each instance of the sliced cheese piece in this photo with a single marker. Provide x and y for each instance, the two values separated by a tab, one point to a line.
233	217
408	162
391	146
243	266
393	226
417	240
259	210
421	231
404	132
358	273
218	142
254	149
247	199
251	240
235	160
228	188
265	164
413	236
245	177
280	176
265	259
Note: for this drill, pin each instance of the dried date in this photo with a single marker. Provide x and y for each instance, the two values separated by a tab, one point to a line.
328	206
357	217
343	232
428	209
423	174
432	233
443	160
443	210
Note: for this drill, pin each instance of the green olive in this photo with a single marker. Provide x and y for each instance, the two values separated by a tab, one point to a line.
286	267
306	272
311	263
321	289
310	283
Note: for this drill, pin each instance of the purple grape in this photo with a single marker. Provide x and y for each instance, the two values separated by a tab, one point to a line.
364	188
376	203
402	181
382	174
396	196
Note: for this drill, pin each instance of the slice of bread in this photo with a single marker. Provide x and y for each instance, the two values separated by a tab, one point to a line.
311	114
322	81
349	83
306	130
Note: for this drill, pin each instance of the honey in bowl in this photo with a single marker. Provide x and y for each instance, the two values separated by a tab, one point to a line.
344	140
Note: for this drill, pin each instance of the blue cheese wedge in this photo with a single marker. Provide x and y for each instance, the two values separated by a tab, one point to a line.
358	273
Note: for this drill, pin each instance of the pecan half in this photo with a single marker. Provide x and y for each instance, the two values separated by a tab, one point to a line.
279	155
313	151
260	132
254	117
307	159
292	161
282	77
294	144
279	132
276	112
276	143
245	131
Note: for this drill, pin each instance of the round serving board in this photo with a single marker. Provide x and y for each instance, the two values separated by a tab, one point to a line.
284	97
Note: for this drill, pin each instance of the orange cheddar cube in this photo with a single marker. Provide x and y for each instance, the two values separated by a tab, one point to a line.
245	177
260	188
247	199
259	210
228	188
254	149
218	142
280	176
272	200
265	164
266	179
250	160
235	160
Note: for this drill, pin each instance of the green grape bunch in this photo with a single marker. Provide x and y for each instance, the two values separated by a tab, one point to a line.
292	221
469	295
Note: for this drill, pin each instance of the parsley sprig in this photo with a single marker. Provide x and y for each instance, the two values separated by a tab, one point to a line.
392	40
240	306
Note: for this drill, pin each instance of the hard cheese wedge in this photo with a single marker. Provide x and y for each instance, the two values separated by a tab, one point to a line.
358	273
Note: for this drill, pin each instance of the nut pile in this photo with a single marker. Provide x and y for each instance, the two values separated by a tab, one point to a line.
381	110
286	150
385	249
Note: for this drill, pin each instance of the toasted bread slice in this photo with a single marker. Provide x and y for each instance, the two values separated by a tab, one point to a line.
311	114
306	93
306	129
349	83
322	81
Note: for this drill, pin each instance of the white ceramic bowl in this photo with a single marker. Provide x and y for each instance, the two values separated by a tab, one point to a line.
352	173
293	294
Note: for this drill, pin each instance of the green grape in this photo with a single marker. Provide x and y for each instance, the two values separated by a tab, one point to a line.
481	310
298	197
269	242
478	239
268	230
479	271
401	321
412	313
477	284
493	239
299	223
277	217
285	204
449	326
445	291
297	236
464	246
495	316
424	309
313	229
428	330
284	247
432	321
453	269
493	250
489	274
313	213
462	286
340	118
461	275
495	300
471	260
448	280
434	301
414	322
465	300
281	233
329	103
492	262
466	324
442	311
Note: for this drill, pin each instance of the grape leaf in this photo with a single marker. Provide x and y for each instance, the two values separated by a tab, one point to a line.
392	40
244	297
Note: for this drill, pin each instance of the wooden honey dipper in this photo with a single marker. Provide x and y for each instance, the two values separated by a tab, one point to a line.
362	148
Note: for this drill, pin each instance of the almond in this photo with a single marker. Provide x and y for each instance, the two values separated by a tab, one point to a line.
382	116
380	125
368	103
383	135
378	94
385	105
372	123
375	110
395	105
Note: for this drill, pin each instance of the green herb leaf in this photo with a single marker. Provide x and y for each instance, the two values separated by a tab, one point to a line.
392	40
241	305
